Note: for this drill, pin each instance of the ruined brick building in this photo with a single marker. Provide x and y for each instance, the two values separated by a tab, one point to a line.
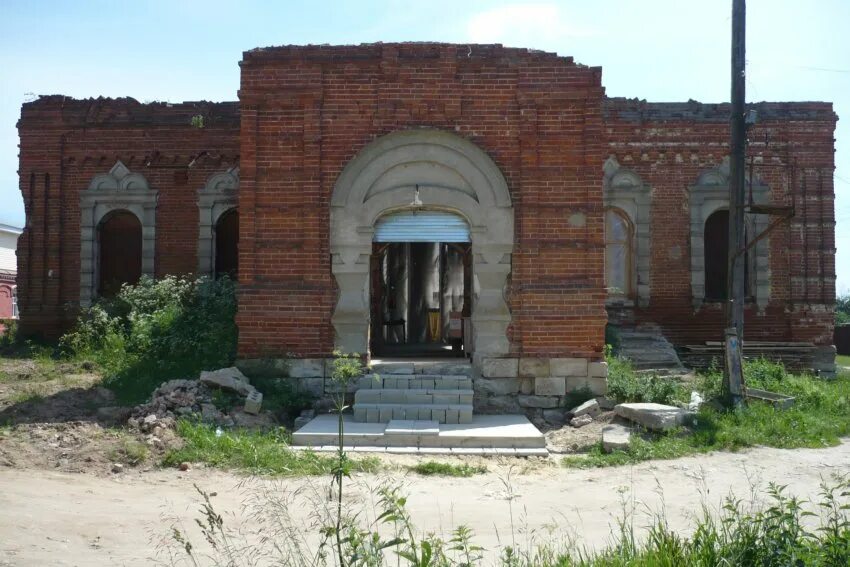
398	198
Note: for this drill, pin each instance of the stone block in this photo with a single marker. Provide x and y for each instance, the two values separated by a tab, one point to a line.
544	402
499	367
228	379
526	385
590	407
596	386
446	397
568	366
551	386
253	403
498	404
306	367
657	417
534	367
615	437
581	421
497	386
597	369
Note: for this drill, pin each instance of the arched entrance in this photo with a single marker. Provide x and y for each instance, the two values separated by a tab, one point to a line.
227	244
421	284
119	238
426	171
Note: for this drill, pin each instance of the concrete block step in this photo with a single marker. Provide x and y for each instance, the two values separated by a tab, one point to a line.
441	413
485	434
414	396
415	382
422	367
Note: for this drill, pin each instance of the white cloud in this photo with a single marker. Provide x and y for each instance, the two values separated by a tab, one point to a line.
538	24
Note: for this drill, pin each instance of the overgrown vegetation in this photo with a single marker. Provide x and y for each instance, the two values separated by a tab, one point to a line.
778	533
254	452
626	385
436	468
842	310
819	417
156	331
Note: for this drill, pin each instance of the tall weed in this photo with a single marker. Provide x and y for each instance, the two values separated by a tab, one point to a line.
158	330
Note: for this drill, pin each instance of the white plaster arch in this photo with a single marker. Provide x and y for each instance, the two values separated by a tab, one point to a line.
708	195
451	174
625	190
118	190
217	196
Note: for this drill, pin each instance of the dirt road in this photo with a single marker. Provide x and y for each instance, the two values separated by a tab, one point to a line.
52	518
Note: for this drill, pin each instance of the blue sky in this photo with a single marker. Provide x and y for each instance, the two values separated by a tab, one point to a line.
660	50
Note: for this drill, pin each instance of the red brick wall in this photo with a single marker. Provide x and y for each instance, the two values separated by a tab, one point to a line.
65	143
669	145
306	111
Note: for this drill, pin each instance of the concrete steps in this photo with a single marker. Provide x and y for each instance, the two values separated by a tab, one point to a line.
647	349
485	435
417	382
435	391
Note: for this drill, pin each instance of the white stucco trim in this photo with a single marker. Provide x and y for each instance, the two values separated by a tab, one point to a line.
625	190
708	195
120	189
452	174
215	198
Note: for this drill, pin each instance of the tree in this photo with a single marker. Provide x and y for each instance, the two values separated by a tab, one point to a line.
842	310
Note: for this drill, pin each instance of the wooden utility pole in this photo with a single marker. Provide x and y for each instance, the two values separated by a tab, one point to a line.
736	285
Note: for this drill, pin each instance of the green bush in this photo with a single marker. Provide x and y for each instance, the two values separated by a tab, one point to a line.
158	330
626	385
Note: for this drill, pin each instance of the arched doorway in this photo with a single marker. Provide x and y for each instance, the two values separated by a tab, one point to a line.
422	170
421	284
227	244
119	237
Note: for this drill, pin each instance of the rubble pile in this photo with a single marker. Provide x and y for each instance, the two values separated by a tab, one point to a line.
182	398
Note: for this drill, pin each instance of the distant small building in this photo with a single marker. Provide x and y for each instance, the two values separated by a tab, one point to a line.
8	269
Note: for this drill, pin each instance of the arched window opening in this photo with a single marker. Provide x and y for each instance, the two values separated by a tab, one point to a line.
619	235
227	245
119	238
716	256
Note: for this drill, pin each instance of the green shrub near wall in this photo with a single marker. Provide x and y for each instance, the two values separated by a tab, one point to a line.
158	330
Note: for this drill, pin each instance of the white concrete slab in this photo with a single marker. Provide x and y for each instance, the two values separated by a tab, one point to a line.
486	432
412	427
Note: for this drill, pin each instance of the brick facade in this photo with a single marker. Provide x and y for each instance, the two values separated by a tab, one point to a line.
306	112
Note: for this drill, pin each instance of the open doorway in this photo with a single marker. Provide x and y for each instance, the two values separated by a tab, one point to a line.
420	289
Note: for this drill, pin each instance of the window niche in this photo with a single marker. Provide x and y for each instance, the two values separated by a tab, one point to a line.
122	191
709	205
627	201
216	198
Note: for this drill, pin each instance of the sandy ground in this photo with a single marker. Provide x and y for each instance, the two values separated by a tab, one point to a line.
56	518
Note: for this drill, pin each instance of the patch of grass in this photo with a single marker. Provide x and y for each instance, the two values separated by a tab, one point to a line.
254	452
130	451
27	395
435	468
626	385
819	418
843	360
